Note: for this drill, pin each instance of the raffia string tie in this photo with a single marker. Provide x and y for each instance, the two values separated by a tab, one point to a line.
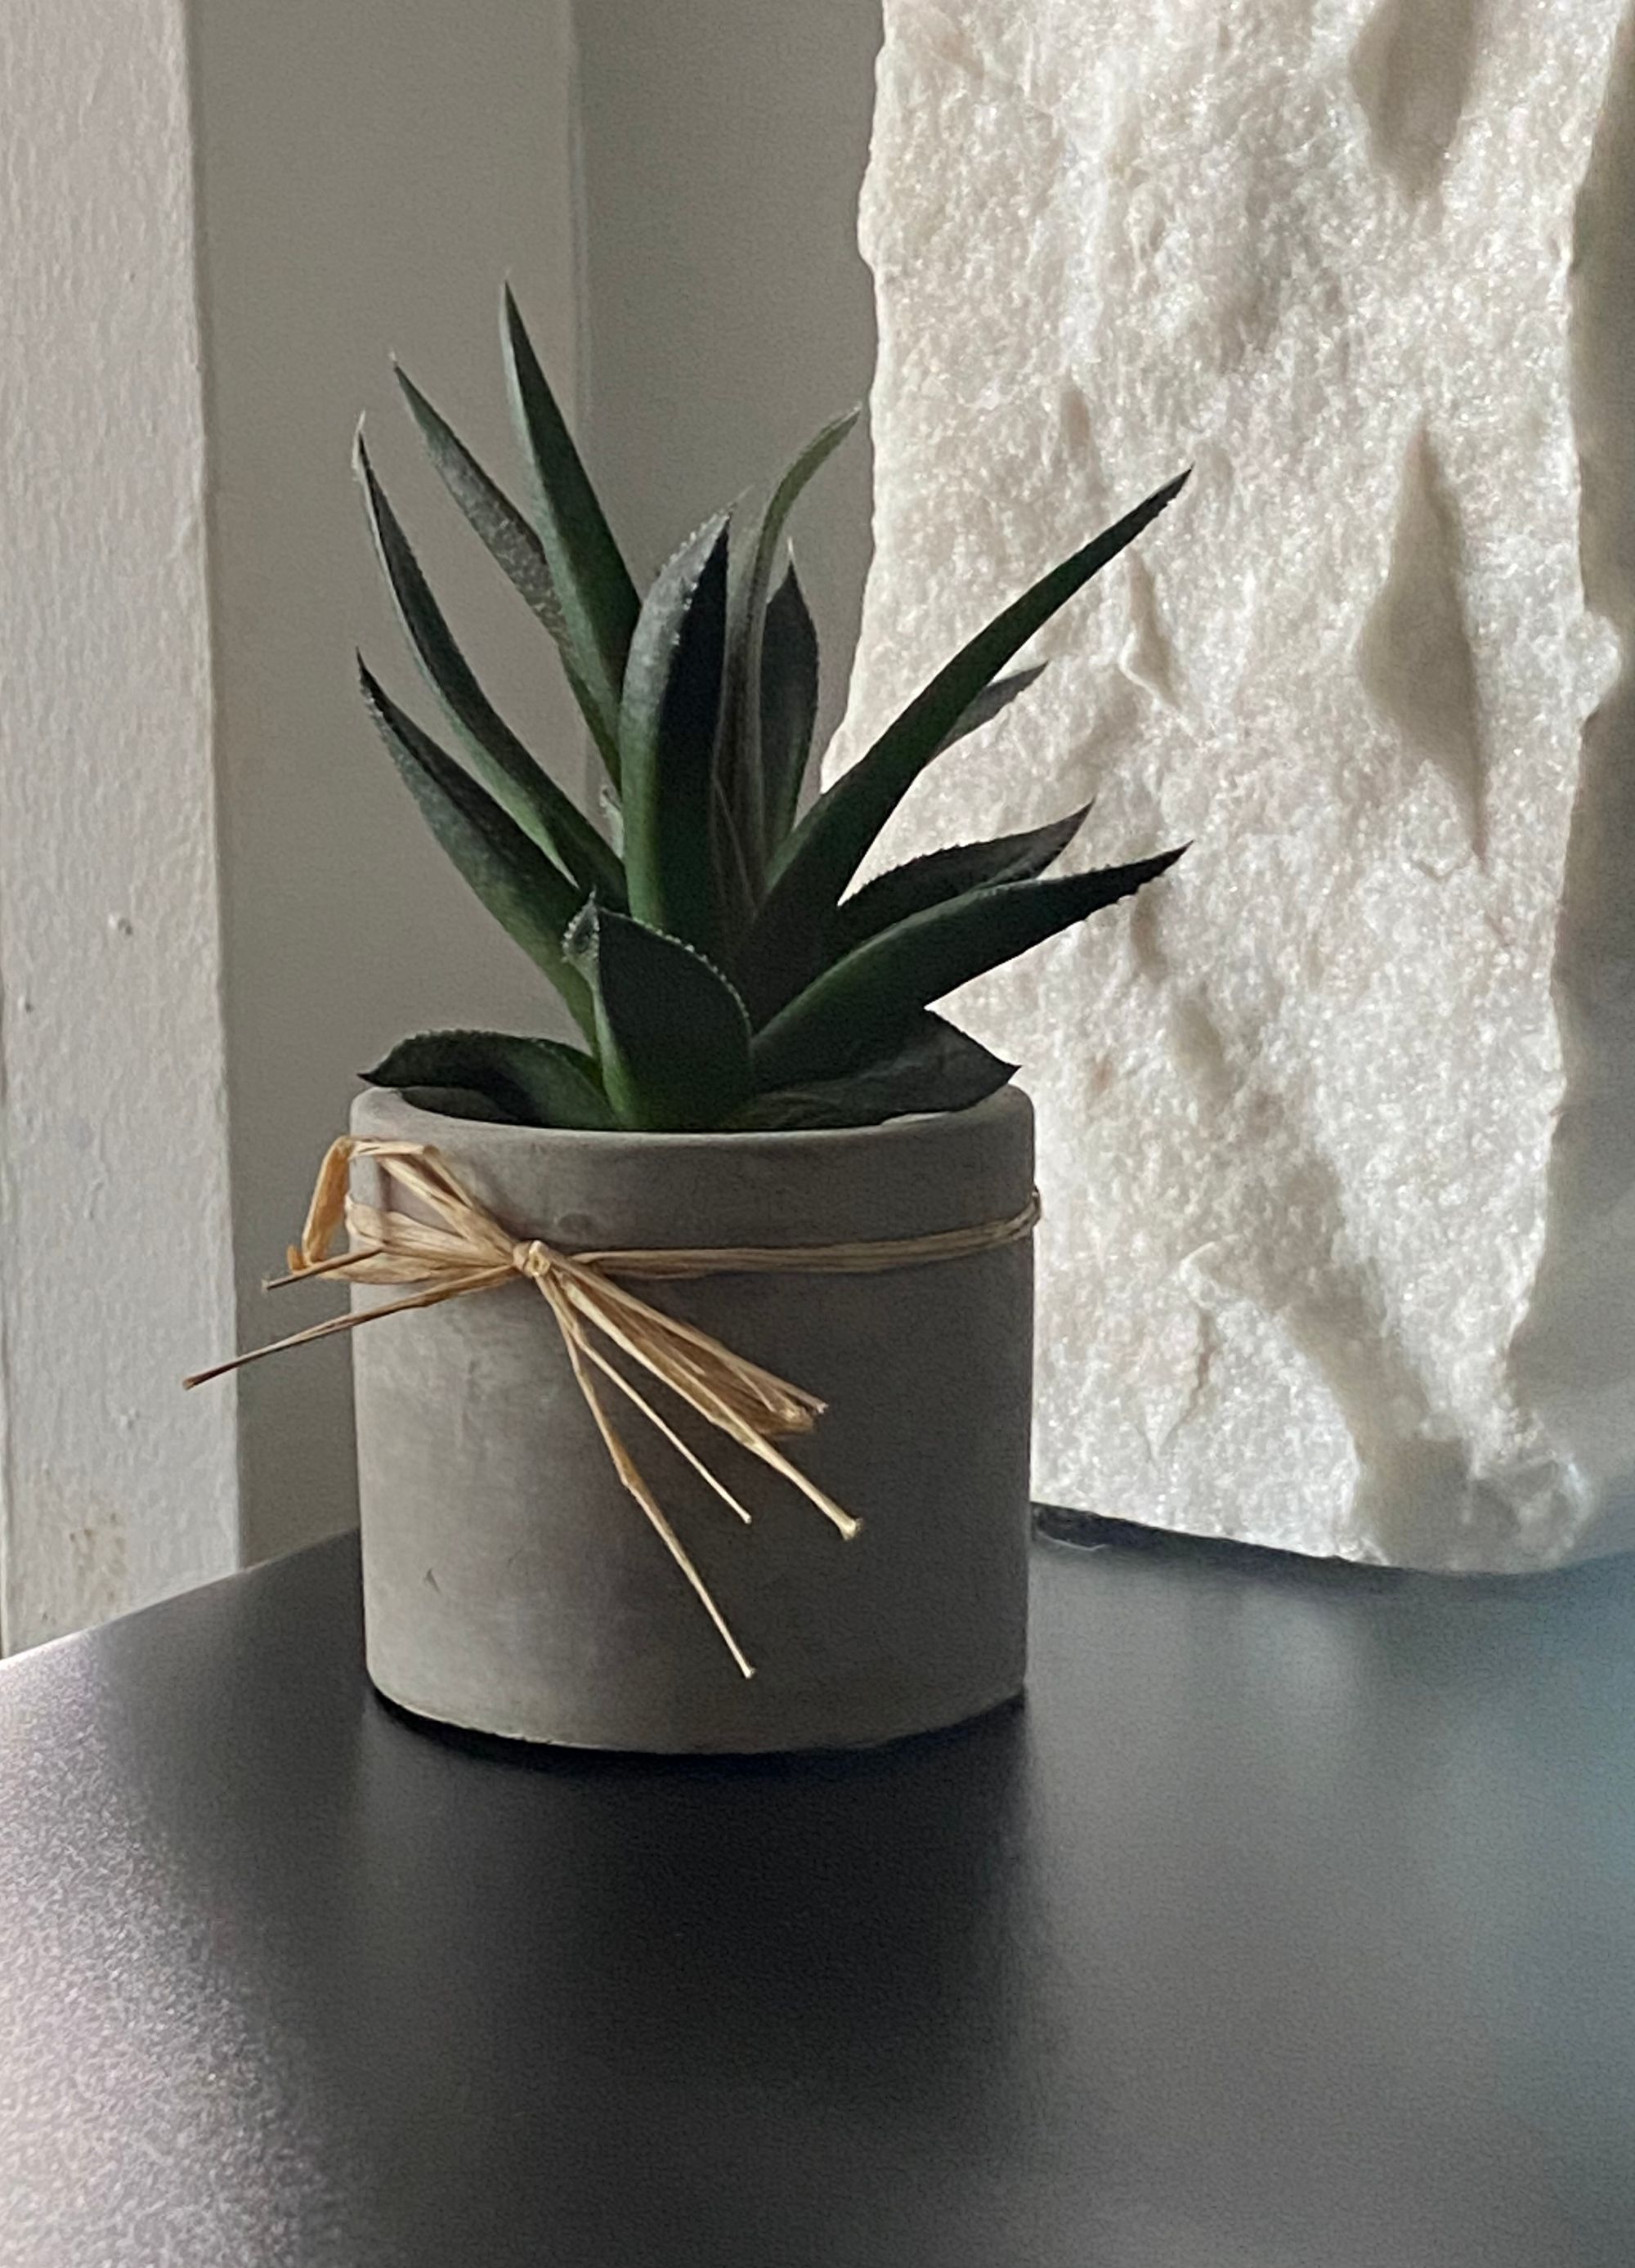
462	1248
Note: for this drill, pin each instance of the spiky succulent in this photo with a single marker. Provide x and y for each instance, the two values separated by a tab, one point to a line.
721	969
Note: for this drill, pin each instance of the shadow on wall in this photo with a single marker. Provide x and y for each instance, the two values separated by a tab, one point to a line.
730	315
335	229
366	176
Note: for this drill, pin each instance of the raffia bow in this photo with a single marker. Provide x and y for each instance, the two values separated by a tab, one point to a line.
464	1249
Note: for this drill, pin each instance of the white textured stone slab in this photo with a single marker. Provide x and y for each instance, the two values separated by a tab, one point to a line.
1338	1124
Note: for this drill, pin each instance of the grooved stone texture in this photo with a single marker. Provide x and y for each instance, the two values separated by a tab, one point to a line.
1338	1124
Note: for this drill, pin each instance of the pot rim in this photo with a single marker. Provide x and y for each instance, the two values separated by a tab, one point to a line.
1001	1104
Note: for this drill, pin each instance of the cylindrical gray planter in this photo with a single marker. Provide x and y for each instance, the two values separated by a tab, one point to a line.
512	1585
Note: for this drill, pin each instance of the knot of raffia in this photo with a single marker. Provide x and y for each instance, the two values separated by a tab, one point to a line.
451	1246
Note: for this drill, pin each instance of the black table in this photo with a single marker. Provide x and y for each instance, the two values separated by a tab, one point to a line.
1291	1925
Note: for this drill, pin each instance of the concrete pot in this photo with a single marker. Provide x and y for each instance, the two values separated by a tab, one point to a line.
511	1584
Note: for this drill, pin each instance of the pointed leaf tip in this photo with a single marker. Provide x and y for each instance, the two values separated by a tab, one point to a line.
941	875
493	753
864	1000
598	601
818	861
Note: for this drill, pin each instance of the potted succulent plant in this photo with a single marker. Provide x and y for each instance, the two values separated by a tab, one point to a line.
760	1084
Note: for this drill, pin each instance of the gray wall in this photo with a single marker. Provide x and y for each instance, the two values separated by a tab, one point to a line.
728	313
367	173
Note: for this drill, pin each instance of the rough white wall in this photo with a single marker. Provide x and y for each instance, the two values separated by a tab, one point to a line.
216	903
1335	1124
114	1265
369	172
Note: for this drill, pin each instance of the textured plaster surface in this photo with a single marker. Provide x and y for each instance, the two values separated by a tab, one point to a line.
114	1263
1335	1136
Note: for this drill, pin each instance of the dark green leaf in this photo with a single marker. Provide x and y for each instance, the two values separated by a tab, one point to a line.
593	588
460	1102
832	841
668	741
862	1004
495	756
937	1067
991	701
535	1082
753	558
672	1035
789	702
529	896
512	542
944	874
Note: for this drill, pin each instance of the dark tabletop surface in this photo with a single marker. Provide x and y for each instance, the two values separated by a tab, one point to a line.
1291	1925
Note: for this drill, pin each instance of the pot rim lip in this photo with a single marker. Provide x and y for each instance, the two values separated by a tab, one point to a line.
999	1105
